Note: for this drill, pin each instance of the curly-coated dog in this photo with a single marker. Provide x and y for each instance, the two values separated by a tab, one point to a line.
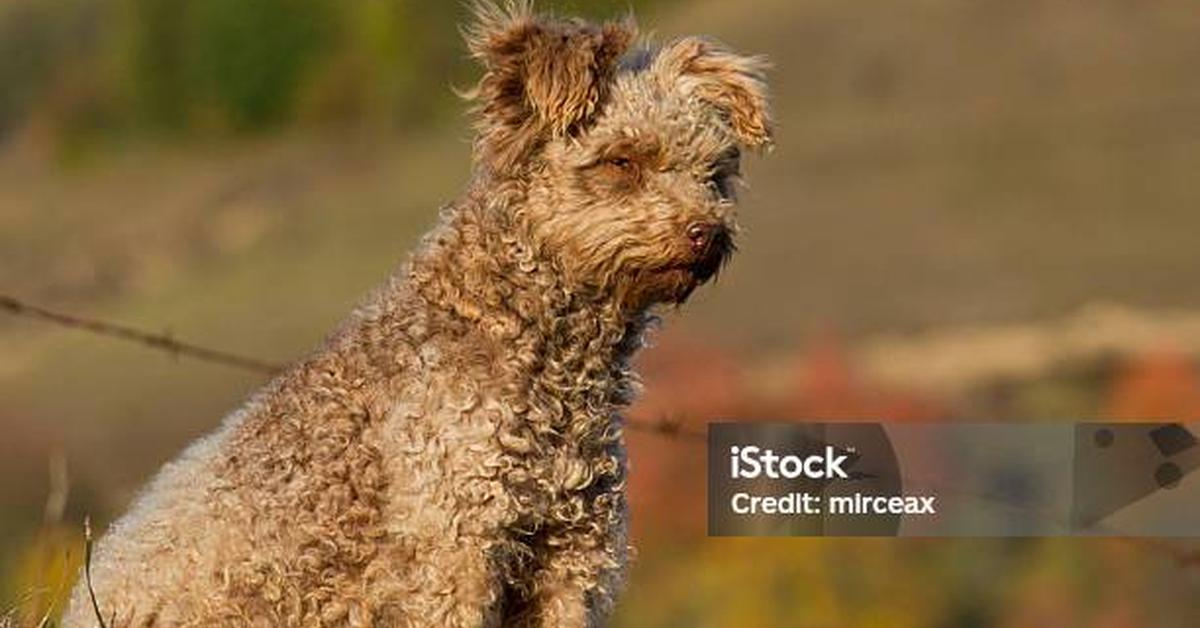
453	455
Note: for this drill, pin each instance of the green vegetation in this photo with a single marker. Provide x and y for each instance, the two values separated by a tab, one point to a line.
111	68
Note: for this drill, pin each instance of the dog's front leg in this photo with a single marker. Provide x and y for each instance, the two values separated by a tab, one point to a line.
581	568
447	582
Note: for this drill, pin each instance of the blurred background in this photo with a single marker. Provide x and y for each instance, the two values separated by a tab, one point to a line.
976	211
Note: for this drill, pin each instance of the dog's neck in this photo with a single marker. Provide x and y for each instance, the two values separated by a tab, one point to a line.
477	295
481	269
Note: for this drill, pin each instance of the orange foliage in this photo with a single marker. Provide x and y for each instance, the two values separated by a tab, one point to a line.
828	388
1157	385
694	382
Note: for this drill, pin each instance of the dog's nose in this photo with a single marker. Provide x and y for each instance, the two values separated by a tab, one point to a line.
703	234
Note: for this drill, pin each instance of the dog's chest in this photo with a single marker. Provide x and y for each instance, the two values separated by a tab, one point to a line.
524	456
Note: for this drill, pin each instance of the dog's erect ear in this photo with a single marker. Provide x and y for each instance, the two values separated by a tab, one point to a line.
543	77
733	84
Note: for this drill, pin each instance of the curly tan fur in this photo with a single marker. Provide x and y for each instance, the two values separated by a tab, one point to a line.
453	455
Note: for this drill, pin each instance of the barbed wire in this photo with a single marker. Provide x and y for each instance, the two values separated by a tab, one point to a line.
161	341
668	428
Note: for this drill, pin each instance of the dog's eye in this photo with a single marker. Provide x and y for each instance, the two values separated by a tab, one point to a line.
723	174
721	186
619	162
617	170
620	171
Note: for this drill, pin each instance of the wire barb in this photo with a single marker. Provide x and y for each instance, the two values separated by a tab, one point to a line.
163	342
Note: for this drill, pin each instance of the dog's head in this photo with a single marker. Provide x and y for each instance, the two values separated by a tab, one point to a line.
630	158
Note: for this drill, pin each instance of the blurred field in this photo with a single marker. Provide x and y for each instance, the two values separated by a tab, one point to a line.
946	172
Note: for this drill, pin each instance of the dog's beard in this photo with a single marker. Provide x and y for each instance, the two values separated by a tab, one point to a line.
675	283
666	285
709	263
